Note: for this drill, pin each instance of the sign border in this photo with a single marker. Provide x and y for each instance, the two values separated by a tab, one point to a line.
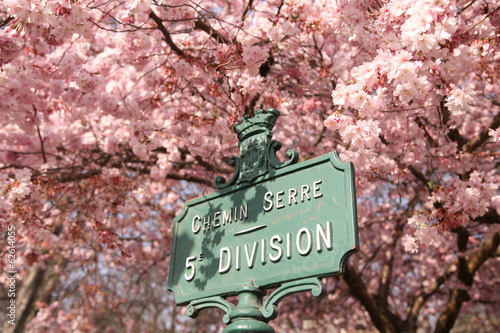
269	282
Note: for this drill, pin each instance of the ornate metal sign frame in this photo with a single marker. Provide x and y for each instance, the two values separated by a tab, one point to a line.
273	224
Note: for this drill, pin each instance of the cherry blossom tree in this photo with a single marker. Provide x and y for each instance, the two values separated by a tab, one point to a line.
116	112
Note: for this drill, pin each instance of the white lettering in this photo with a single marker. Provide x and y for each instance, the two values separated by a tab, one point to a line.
251	258
206	223
237	258
279	199
288	245
274	246
271	249
324	235
216	220
269	200
224	265
304	251
190	266
193	228
316	189
292	195
219	218
263	251
243	211
305	192
226	217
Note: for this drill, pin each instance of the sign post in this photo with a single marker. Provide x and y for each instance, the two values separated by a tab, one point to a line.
274	224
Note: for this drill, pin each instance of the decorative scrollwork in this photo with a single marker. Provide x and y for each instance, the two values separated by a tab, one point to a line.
211	302
272	148
257	150
220	182
270	307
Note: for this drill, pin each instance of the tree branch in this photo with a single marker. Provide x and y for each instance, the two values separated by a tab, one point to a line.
41	144
466	271
385	277
417	303
483	136
419	175
249	109
166	34
3	23
26	298
211	32
40	137
491	217
125	159
382	318
453	134
487	250
246	10
427	135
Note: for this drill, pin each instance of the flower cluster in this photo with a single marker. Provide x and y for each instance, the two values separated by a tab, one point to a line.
115	113
14	187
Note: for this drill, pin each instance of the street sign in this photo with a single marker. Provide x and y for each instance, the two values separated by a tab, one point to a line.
271	224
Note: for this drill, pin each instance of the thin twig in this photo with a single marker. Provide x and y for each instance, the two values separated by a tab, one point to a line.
409	109
467	5
40	138
478	23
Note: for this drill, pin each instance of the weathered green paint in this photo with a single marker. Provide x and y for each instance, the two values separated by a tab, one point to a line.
257	150
273	224
247	315
250	315
334	208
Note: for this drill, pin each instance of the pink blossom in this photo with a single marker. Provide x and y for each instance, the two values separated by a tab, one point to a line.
429	236
337	121
446	28
495	134
116	113
460	99
409	244
139	6
254	56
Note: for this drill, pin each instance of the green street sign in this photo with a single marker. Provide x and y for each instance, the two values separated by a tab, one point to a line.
273	223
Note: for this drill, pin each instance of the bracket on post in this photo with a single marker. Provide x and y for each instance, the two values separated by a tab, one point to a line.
315	285
194	308
251	314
